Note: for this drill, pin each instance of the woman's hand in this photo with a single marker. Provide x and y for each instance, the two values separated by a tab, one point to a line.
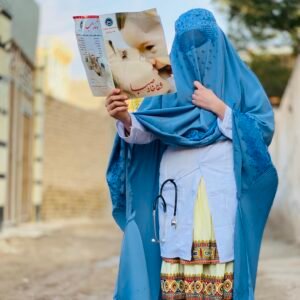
206	98
118	108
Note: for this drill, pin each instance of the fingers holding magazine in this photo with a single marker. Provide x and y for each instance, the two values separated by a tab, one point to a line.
117	107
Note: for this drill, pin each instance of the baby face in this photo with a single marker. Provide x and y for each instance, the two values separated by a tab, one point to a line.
144	32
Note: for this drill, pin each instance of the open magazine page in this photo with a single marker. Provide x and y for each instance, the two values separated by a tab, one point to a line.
136	51
93	55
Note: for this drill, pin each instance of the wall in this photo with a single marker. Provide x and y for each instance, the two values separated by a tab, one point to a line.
285	150
77	143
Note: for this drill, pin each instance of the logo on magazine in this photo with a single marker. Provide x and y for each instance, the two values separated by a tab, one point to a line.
109	22
91	26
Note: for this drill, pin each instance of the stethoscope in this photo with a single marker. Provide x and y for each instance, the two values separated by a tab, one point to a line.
155	205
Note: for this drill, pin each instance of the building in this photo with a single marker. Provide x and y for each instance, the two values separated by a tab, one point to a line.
18	37
285	151
55	57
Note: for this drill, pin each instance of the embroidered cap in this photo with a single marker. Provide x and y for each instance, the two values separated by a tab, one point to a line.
200	19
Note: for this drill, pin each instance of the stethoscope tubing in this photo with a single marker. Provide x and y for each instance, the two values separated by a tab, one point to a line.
155	205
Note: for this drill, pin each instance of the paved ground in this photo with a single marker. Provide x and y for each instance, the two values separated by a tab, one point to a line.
78	261
71	261
279	271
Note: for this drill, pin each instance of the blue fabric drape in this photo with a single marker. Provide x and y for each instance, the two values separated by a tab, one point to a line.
201	52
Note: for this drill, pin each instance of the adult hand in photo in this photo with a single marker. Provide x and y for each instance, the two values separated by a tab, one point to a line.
118	108
207	99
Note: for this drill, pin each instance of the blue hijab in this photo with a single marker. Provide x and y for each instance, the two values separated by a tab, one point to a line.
200	52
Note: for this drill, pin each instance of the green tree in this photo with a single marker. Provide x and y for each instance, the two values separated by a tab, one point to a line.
264	20
273	71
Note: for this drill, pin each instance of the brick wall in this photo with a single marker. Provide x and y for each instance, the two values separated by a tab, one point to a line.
77	143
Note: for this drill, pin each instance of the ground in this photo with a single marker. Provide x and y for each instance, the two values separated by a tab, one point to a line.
78	261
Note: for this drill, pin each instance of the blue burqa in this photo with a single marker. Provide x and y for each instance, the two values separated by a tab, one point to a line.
201	52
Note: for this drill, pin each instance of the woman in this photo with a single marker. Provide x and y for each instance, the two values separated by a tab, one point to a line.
201	157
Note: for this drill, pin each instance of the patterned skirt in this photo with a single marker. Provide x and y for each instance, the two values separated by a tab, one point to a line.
204	277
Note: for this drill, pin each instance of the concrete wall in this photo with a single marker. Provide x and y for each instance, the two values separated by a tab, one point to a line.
77	143
285	150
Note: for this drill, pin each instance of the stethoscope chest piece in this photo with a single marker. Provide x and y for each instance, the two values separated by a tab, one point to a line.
155	205
174	222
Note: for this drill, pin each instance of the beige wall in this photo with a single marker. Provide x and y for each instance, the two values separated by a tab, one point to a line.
81	95
285	150
76	148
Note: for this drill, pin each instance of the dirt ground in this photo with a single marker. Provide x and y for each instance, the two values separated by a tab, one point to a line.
78	261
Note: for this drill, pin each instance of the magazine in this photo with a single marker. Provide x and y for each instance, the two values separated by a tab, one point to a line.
126	51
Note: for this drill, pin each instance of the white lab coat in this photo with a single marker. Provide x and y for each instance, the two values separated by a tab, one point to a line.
213	163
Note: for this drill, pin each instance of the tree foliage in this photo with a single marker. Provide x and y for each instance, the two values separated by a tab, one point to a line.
273	71
263	20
